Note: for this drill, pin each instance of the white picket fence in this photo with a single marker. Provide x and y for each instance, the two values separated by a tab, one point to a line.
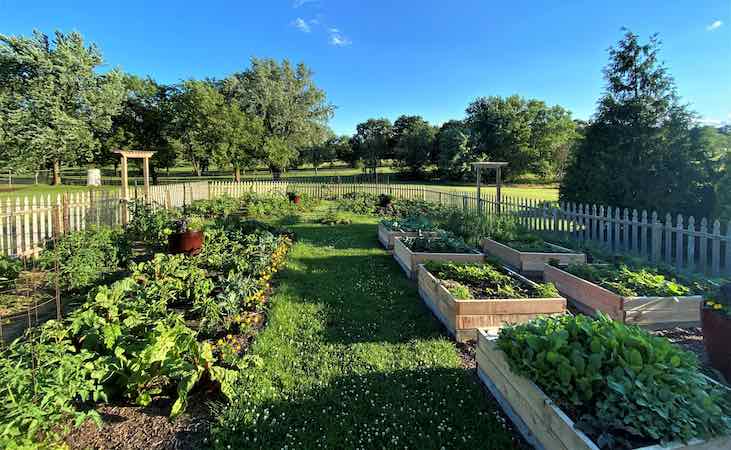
690	245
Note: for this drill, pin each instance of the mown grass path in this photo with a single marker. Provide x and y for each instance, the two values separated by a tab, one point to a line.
351	359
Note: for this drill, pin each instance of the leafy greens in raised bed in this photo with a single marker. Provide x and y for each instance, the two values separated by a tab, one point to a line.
409	224
623	386
485	281
630	282
442	243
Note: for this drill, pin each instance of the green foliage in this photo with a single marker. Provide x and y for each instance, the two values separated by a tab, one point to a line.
130	340
371	141
619	382
444	242
150	224
217	207
414	144
485	281
334	218
630	282
54	100
418	223
358	203
10	268
276	205
453	150
528	134
85	257
640	150
292	109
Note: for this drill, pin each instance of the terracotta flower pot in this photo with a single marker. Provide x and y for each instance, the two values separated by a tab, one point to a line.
716	337
189	242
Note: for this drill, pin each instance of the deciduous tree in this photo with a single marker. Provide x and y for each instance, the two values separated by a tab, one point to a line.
54	100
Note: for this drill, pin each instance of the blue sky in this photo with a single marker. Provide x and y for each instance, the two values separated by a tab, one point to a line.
386	58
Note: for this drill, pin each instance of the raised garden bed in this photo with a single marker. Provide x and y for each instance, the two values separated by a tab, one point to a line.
387	236
462	317
410	260
538	418
653	312
531	262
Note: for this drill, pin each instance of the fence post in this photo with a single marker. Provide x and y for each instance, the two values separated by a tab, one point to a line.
656	238
716	249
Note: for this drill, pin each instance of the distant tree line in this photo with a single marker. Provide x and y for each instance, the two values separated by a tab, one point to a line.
56	110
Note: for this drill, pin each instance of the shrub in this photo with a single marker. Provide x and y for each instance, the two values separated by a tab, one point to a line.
619	382
10	268
85	257
217	207
150	224
358	203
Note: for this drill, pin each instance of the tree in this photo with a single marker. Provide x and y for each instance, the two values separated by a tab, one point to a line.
343	149
527	134
453	150
371	141
415	145
241	140
199	117
400	127
293	110
54	102
723	189
638	151
323	152
142	124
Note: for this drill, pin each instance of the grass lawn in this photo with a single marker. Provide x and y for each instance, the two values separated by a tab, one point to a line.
352	359
21	190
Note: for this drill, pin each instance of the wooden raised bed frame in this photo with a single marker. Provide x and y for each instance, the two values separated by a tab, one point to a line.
462	318
530	263
542	423
409	261
386	237
647	312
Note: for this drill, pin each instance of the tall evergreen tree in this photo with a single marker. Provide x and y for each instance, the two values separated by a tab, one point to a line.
638	151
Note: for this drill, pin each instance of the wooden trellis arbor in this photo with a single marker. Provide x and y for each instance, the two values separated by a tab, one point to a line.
498	181
145	156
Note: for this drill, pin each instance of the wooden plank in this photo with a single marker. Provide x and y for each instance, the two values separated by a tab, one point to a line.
588	296
663	312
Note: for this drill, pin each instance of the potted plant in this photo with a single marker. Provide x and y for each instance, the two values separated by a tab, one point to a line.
716	323
385	201
294	197
187	237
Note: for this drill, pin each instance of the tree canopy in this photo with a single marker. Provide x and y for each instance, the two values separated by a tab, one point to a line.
53	101
293	111
638	150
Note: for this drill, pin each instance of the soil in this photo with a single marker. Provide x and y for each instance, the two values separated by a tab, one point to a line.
135	427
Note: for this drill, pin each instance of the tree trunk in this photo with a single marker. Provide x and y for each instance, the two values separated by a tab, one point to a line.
237	174
56	172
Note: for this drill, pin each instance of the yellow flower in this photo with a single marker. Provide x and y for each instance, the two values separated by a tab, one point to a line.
717	306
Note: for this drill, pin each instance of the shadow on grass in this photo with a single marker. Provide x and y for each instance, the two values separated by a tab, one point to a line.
366	298
430	408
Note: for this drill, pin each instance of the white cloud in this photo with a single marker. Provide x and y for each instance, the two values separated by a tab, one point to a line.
715	25
299	3
338	39
301	24
714	122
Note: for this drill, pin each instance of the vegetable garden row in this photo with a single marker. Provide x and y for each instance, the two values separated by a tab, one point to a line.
144	322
